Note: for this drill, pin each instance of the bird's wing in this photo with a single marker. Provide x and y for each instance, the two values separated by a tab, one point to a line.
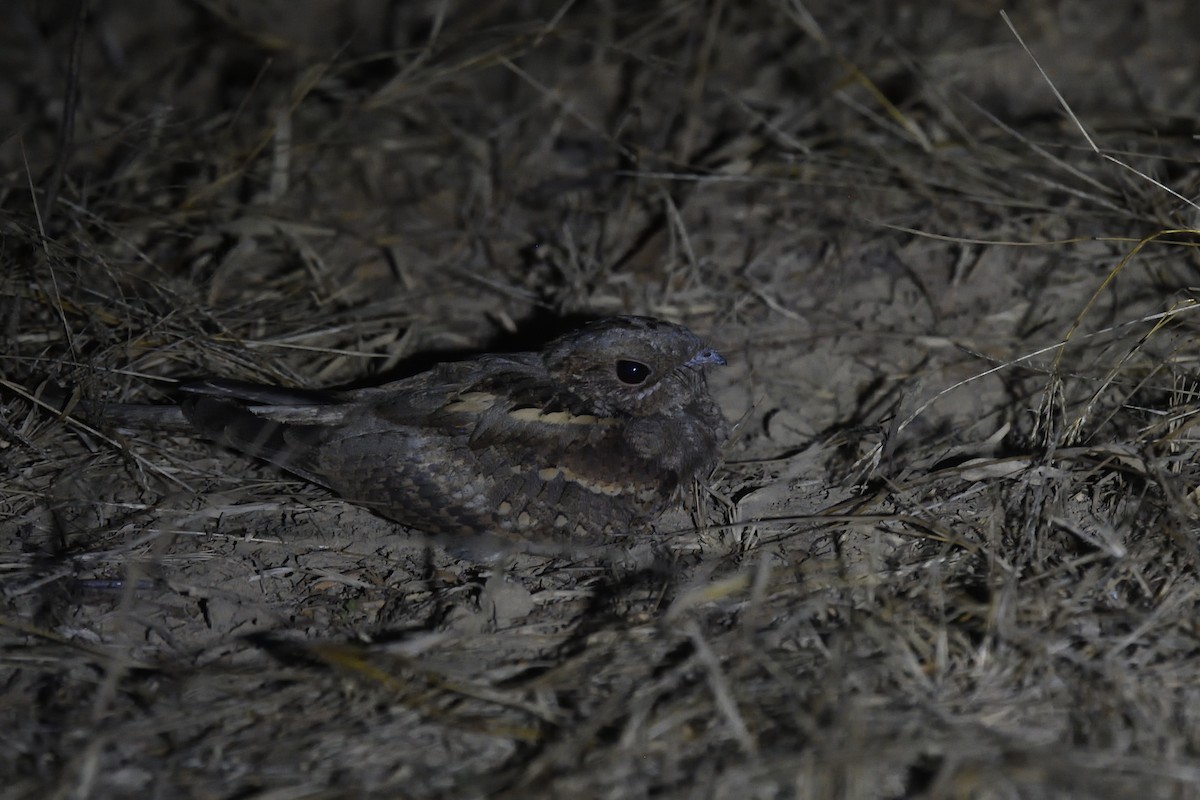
308	432
273	423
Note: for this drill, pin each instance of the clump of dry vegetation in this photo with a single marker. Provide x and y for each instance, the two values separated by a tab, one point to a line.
953	549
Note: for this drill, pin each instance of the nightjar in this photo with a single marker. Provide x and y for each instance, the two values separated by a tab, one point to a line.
582	441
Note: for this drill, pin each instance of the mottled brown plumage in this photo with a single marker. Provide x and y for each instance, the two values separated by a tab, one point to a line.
584	440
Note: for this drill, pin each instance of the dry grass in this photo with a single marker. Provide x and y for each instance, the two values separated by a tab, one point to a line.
953	550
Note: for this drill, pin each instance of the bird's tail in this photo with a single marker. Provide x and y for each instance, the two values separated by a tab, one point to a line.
124	417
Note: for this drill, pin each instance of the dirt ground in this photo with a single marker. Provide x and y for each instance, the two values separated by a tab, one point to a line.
951	551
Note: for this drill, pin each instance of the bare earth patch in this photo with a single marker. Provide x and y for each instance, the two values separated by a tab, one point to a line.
952	551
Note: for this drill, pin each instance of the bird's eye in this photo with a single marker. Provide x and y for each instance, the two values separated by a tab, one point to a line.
632	372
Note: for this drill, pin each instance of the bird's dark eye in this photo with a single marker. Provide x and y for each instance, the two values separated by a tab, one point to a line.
632	372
